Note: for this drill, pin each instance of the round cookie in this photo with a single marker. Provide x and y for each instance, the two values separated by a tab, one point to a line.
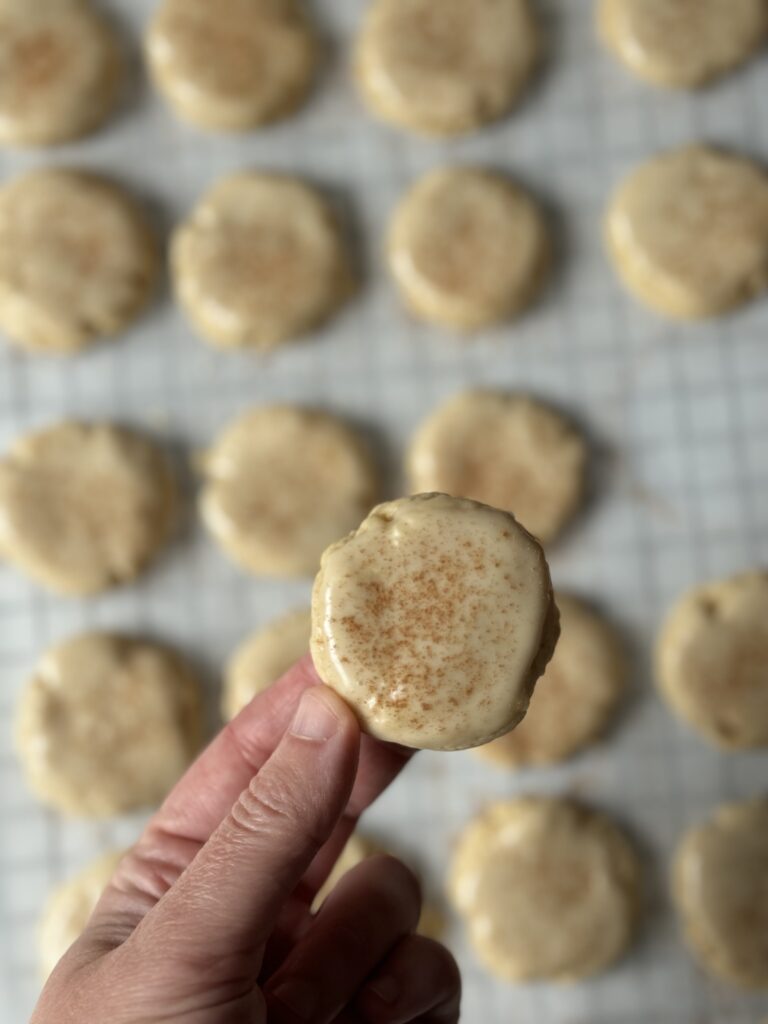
84	507
712	661
719	886
575	698
547	889
505	450
433	621
60	71
70	907
78	261
259	262
281	484
234	64
264	657
446	70
107	724
683	43
468	249
688	232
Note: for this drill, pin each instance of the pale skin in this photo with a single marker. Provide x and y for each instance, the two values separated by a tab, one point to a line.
207	919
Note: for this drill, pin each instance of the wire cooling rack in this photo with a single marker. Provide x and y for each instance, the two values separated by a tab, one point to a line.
678	417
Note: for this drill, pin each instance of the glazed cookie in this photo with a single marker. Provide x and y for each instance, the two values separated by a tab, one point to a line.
505	450
574	699
712	661
468	249
688	232
107	724
78	261
260	261
70	907
433	621
84	507
547	889
60	71
281	483
683	43
449	69
264	657
719	887
232	65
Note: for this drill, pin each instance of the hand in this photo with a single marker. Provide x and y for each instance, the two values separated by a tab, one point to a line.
207	920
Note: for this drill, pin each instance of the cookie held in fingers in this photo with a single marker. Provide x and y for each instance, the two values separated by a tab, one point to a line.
433	621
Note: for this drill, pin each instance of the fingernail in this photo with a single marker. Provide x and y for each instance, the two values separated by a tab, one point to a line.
315	719
386	988
298	996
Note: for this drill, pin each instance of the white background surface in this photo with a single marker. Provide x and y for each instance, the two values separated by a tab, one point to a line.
678	416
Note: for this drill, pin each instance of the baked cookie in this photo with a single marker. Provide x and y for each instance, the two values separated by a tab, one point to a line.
468	249
505	450
682	44
61	71
449	68
547	889
84	507
575	698
281	484
719	879
264	657
260	261
107	724
70	907
433	621
234	64
712	661
688	232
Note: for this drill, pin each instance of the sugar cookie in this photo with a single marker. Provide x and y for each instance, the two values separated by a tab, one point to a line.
84	507
468	248
107	724
70	907
719	880
712	660
547	889
282	483
446	69
505	450
233	64
60	71
433	621
688	232
260	261
574	699
264	657
78	261
683	43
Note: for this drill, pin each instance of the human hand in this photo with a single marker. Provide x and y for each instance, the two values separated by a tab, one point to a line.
207	919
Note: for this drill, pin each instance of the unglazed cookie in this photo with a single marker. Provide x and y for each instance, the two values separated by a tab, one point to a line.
712	660
233	64
281	484
60	71
433	621
468	248
505	450
719	882
547	889
264	657
260	261
107	724
688	232
683	43
70	907
84	507
446	69
575	698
